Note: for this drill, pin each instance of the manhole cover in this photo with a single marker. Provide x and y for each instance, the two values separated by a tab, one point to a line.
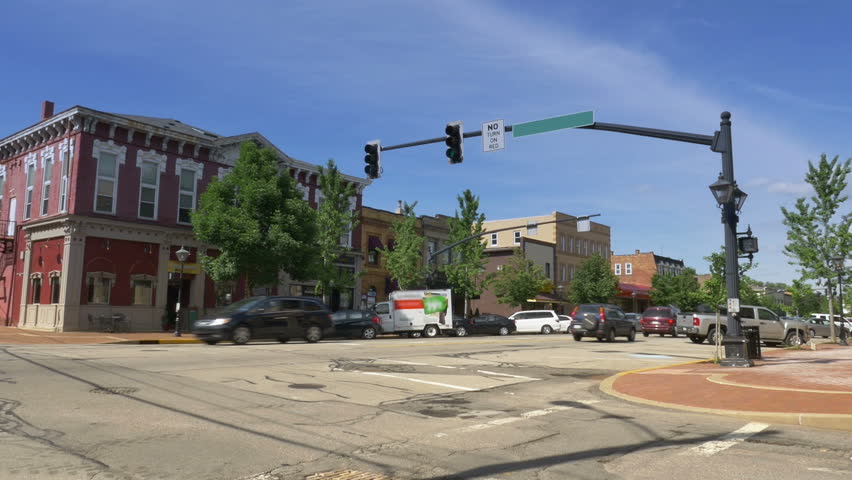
439	413
114	390
315	386
347	475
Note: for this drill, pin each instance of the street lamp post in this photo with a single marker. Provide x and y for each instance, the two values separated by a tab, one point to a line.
839	263
181	255
731	199
633	294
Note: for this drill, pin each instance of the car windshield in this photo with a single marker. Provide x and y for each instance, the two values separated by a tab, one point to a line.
242	305
657	312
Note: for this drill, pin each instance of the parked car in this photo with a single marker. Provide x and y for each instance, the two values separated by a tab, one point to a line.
636	318
356	324
277	318
486	323
660	320
531	321
819	327
602	321
565	323
773	330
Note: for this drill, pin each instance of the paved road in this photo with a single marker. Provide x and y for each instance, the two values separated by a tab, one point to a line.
453	408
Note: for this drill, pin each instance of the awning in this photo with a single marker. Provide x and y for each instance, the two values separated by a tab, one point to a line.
627	290
547	298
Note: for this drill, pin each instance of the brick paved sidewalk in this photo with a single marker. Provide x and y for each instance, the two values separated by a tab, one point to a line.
787	386
18	336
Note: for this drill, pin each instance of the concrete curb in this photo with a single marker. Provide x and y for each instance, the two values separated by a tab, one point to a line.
830	421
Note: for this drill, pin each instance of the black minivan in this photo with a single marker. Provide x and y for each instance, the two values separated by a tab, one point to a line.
278	318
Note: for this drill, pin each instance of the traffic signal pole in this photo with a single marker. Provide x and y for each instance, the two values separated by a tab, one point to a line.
720	142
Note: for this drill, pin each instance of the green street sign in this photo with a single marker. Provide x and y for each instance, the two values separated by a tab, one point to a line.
574	120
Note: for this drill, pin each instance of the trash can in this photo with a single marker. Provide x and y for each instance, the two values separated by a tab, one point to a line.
752	335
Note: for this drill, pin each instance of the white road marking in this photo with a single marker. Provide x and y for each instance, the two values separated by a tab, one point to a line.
507	375
829	470
439	384
713	447
508	420
415	363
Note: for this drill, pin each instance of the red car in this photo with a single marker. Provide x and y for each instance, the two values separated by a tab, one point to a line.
659	320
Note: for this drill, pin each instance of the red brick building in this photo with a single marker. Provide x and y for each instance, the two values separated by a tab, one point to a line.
635	271
94	205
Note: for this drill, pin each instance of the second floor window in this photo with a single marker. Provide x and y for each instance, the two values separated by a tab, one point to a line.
36	290
149	184
586	248
45	191
186	201
547	269
628	269
571	272
65	160
517	238
493	239
618	269
28	204
2	187
105	193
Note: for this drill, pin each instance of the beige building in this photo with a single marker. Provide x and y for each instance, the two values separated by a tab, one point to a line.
571	247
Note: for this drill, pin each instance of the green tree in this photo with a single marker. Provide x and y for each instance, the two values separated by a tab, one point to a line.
681	290
335	219
805	300
405	260
518	281
715	292
594	282
258	220
464	272
815	231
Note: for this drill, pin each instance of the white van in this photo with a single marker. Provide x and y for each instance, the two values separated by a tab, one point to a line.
534	321
416	312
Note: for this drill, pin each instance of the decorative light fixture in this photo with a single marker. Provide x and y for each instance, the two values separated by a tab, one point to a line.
725	191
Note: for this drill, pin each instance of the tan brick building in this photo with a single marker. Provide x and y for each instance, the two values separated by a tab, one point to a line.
635	271
571	248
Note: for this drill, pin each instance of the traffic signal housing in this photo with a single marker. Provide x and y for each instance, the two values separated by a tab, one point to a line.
455	142
373	159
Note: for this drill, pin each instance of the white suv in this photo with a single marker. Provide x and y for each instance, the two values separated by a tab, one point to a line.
530	321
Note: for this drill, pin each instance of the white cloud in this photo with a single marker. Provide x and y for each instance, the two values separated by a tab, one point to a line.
790	188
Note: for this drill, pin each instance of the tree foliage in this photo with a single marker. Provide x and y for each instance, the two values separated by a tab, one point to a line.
805	300
594	282
519	280
335	218
257	218
714	291
464	272
405	260
815	231
681	290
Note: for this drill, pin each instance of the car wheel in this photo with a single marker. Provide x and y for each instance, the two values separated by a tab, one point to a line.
812	333
430	331
646	334
241	335
610	335
631	337
794	339
461	332
696	339
711	335
313	334
578	337
283	339
368	333
503	331
546	330
211	342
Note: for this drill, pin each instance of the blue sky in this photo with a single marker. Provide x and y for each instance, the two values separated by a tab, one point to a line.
319	78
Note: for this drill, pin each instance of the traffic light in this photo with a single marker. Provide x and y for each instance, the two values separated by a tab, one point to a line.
373	169
455	142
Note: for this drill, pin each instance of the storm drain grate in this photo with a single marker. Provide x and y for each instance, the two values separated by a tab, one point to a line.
114	390
348	475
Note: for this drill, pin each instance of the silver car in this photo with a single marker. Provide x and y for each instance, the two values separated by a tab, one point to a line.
636	318
819	327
